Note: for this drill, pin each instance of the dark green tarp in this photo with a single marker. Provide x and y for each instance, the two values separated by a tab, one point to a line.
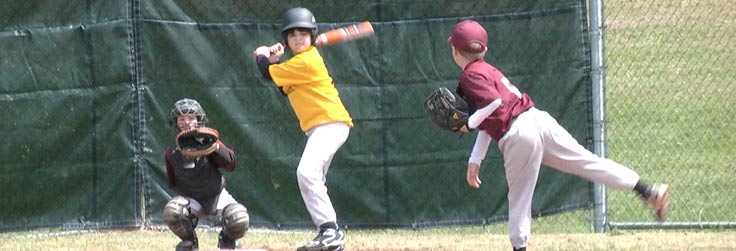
87	87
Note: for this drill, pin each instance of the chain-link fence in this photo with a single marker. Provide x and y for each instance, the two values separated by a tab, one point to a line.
671	88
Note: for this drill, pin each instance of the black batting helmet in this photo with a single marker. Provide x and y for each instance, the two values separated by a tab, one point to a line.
298	17
187	106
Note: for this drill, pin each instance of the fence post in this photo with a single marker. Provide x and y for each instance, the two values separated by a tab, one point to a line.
595	22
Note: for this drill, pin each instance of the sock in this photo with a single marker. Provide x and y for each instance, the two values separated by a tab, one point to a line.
327	225
642	189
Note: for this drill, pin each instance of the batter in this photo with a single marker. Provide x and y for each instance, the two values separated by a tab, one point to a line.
304	79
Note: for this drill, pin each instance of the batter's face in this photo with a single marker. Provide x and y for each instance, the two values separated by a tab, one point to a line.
186	122
299	40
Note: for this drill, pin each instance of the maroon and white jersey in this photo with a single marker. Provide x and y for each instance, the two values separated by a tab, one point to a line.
480	84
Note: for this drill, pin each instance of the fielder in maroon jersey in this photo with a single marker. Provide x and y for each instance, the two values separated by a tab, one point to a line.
527	137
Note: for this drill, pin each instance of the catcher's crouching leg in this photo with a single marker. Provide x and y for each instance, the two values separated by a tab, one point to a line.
235	222
180	221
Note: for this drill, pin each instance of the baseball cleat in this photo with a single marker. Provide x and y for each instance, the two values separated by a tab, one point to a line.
659	201
224	242
188	245
329	239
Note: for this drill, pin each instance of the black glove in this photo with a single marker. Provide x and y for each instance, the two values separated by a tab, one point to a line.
447	111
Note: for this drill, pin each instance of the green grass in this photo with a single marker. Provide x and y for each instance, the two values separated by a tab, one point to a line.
468	238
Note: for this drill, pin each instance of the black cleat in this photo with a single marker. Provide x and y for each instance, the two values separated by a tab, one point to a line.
188	245
328	239
224	242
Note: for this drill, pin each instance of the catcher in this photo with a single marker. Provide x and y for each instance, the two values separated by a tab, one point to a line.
193	171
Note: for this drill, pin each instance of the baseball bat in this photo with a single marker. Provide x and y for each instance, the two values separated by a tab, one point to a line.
343	34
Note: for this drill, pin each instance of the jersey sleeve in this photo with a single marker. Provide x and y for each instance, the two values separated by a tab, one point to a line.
224	157
263	64
169	168
298	70
480	148
478	90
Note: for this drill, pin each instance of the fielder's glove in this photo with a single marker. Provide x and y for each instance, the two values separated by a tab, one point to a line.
447	111
197	142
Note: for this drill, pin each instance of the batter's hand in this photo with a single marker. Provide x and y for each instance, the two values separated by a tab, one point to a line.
472	177
262	50
276	51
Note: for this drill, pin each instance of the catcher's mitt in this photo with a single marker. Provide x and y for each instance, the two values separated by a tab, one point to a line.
197	142
447	111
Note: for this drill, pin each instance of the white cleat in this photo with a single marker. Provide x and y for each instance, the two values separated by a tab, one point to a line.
659	201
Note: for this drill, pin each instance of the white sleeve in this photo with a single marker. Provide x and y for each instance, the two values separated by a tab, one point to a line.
479	115
480	148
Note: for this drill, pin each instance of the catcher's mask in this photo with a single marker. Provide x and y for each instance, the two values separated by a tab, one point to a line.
296	18
187	106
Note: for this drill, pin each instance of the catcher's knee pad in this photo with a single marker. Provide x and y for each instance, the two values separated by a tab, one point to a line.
235	220
179	219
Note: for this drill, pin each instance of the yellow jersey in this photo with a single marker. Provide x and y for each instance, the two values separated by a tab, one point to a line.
310	89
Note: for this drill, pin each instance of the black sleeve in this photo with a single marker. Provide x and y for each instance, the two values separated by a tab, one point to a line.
224	158
263	64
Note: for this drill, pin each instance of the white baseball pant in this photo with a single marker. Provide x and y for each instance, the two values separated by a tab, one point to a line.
536	138
223	200
322	144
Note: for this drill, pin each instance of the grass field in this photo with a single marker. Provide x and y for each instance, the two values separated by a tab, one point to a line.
469	238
